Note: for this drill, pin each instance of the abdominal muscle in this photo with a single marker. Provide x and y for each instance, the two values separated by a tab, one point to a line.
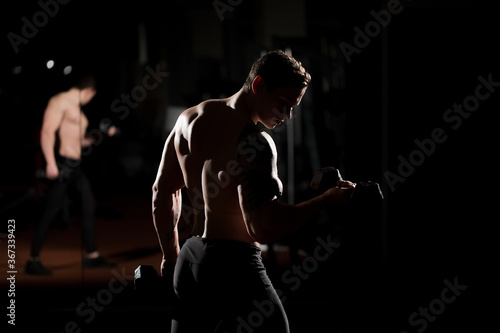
207	147
71	132
227	227
220	218
223	216
70	140
215	202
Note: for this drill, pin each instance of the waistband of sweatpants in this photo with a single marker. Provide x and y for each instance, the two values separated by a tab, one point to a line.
226	244
66	161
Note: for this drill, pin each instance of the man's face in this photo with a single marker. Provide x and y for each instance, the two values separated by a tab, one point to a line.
276	106
86	95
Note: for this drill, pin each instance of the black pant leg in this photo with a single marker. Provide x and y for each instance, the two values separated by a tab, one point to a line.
88	210
55	201
223	287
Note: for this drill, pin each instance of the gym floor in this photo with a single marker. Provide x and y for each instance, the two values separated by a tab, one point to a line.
319	295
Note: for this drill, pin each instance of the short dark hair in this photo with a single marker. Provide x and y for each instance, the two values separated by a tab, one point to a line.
278	69
86	81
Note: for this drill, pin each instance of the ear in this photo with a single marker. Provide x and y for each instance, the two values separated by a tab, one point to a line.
258	84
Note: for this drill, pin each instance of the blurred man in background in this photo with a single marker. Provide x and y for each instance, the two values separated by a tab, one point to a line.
62	139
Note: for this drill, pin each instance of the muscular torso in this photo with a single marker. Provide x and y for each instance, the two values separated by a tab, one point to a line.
71	130
206	143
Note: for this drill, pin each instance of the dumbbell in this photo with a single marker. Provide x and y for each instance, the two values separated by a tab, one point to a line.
365	193
105	126
150	286
356	224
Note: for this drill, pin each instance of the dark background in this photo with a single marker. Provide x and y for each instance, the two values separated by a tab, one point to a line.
359	115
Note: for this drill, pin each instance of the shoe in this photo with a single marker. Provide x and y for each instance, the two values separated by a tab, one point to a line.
96	262
35	267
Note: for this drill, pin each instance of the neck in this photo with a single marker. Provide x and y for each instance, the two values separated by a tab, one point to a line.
243	101
75	95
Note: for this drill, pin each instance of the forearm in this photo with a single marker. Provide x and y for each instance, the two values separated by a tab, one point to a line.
47	142
165	218
87	142
275	220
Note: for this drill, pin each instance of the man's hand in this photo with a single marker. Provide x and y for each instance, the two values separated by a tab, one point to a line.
112	130
167	267
341	194
51	171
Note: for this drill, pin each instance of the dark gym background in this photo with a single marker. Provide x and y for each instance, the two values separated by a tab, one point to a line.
362	114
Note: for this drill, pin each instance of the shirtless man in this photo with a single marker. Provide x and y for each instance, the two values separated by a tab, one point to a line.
228	167
63	129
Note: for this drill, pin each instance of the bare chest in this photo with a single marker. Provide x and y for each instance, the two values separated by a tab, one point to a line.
74	120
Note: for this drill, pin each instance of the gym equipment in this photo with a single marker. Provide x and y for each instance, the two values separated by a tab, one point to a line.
150	287
365	193
358	223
